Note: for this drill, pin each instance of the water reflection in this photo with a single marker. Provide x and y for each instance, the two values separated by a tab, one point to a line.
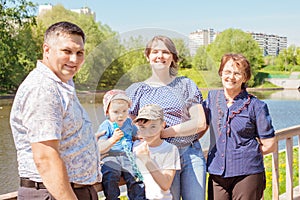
8	159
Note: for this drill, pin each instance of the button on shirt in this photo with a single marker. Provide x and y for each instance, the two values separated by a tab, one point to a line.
234	150
45	109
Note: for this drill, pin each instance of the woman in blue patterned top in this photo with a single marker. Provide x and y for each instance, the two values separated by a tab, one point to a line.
241	132
181	101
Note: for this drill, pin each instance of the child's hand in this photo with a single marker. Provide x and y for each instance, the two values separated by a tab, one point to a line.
118	134
142	151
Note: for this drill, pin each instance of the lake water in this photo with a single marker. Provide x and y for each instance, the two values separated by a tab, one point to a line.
284	108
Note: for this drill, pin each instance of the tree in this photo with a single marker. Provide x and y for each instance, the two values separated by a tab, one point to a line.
185	59
298	55
101	47
134	61
202	60
237	41
15	42
288	58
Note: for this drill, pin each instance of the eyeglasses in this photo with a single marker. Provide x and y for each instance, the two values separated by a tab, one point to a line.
236	74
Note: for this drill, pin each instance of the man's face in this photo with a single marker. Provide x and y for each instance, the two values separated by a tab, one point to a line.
64	55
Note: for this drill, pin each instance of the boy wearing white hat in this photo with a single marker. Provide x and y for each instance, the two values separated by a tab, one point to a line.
157	160
119	131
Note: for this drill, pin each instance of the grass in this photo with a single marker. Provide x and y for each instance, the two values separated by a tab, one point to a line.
195	75
267	84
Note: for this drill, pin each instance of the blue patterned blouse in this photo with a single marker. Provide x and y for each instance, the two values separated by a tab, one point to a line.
234	150
176	99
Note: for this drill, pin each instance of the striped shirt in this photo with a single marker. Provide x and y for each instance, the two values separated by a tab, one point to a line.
234	150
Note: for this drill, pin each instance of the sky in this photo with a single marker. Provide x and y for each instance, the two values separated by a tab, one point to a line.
276	17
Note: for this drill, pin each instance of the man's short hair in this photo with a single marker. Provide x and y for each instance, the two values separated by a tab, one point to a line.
63	27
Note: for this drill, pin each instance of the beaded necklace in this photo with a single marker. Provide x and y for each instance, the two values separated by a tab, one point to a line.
230	116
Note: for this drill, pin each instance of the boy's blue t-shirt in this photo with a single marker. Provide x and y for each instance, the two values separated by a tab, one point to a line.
128	128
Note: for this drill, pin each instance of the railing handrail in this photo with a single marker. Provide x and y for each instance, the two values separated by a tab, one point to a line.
286	134
282	134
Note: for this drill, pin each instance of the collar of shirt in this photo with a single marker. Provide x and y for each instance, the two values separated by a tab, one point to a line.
49	73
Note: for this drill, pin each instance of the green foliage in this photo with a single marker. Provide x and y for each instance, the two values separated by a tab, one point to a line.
237	41
260	77
134	62
95	32
195	75
185	58
296	68
15	61
271	68
288	58
267	84
102	47
271	73
202	60
111	62
101	69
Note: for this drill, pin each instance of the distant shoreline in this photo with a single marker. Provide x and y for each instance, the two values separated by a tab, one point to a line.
96	96
79	93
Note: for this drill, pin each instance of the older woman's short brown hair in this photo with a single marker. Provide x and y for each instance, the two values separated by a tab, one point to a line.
240	62
171	47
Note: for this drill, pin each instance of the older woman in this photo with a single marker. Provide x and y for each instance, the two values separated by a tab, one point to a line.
181	101
241	133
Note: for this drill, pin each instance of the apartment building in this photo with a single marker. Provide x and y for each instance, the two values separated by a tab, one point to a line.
200	37
84	10
270	45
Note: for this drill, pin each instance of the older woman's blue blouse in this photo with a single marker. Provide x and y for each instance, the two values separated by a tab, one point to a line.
234	150
176	99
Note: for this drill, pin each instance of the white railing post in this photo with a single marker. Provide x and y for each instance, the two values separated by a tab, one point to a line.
275	174
289	168
299	163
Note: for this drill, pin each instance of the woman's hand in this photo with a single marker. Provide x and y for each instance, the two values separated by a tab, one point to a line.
196	124
268	145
